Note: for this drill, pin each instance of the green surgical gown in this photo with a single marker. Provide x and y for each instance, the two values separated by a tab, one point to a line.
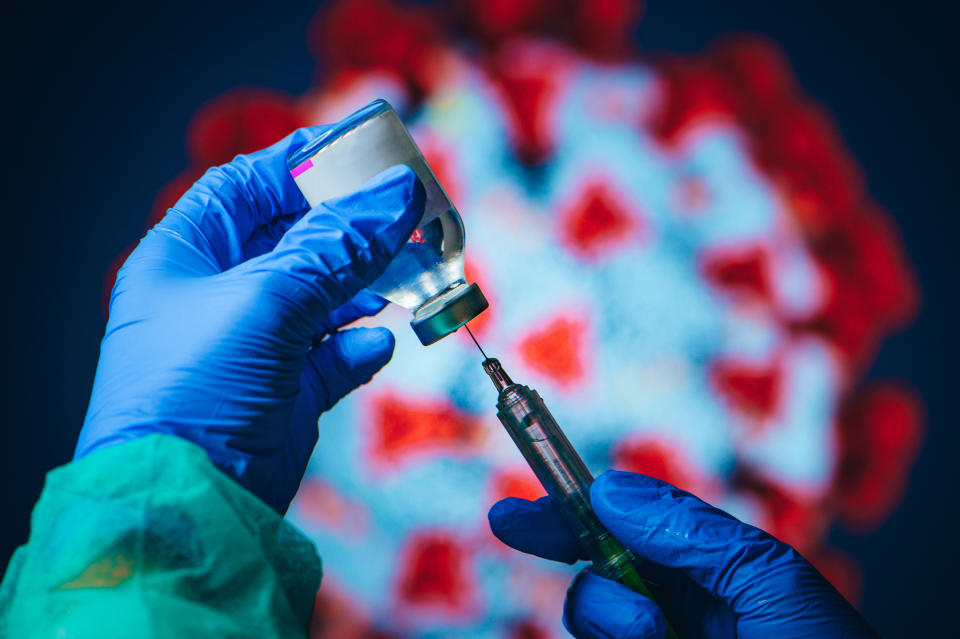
148	539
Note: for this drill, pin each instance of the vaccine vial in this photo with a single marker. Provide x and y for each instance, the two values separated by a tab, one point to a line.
426	276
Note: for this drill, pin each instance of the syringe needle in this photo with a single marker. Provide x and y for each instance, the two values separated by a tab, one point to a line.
475	342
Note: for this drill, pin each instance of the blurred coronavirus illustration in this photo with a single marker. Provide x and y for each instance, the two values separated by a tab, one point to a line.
680	256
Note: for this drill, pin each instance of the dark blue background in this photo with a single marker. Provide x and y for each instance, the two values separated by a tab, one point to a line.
101	98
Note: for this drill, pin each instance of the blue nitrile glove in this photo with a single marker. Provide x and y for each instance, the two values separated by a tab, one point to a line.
712	575
217	317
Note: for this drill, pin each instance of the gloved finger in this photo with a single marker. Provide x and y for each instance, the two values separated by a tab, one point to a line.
534	527
598	608
363	304
335	367
223	209
264	238
737	563
344	361
341	246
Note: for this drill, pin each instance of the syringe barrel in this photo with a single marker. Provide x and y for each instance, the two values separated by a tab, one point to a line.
563	475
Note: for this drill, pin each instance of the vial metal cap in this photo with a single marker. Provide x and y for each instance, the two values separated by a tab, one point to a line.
438	318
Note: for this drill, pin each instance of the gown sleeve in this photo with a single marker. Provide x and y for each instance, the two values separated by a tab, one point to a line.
148	539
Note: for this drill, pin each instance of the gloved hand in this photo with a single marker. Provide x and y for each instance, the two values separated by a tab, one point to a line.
223	321
712	575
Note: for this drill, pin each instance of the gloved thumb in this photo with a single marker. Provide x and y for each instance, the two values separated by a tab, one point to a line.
341	246
345	360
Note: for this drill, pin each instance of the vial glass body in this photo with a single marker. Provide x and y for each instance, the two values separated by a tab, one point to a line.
427	275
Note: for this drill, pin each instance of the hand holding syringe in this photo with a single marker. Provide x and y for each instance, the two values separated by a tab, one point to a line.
722	578
563	475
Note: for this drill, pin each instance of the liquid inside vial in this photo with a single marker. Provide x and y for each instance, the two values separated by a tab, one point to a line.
430	263
371	140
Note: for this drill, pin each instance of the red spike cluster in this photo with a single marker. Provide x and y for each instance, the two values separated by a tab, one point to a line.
788	517
350	36
495	21
840	570
528	630
597	221
337	616
753	390
434	574
746	80
871	290
657	458
557	351
744	272
376	35
880	431
404	427
599	28
528	89
241	121
801	524
515	482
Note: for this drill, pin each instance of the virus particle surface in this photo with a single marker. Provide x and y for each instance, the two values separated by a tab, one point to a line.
434	573
556	350
682	258
597	222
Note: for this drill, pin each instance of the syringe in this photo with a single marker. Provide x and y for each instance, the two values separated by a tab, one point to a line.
564	476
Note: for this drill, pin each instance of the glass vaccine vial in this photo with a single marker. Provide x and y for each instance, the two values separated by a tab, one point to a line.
426	277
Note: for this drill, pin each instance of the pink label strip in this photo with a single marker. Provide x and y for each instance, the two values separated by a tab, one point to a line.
303	167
